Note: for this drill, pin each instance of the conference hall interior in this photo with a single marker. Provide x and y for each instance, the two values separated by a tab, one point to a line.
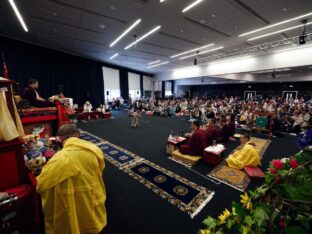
155	116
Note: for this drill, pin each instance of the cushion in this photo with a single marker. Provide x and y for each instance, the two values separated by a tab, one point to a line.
254	172
186	158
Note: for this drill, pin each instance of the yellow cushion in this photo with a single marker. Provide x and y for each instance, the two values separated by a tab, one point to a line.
186	158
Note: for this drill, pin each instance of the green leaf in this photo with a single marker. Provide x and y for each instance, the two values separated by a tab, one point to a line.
296	230
260	215
239	210
304	220
248	220
210	222
230	223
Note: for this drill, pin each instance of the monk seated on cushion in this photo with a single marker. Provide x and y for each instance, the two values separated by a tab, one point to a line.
33	97
246	155
213	132
197	142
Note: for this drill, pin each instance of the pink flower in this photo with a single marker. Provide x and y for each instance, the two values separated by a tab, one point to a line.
278	164
272	171
293	163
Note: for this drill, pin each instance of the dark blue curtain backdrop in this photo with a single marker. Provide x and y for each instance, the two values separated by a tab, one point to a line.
124	83
141	85
81	78
163	89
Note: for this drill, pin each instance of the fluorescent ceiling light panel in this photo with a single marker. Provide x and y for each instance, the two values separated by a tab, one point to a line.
125	32
274	25
114	56
159	64
144	36
189	51
295	48
204	52
18	15
279	31
162	0
151	63
191	5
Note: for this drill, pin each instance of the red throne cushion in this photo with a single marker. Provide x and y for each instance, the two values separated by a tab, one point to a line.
254	172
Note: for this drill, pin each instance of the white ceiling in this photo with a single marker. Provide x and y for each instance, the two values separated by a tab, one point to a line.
87	27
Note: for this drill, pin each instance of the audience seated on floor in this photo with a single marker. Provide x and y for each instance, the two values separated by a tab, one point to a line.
245	155
213	132
197	142
33	97
87	107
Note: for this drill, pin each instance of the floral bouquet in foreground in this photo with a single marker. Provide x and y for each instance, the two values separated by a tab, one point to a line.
283	204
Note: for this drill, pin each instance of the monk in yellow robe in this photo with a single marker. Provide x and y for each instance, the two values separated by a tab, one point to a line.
71	186
247	155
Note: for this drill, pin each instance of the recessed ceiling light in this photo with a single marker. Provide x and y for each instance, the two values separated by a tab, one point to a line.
151	63
204	52
114	56
159	64
18	15
235	26
274	25
202	21
55	14
102	26
213	15
55	30
279	31
191	6
112	8
193	50
141	38
181	31
125	32
161	0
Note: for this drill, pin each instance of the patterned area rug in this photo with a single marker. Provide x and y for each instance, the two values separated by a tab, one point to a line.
186	195
117	156
235	178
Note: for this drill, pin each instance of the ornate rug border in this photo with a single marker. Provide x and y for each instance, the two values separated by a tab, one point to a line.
204	193
264	149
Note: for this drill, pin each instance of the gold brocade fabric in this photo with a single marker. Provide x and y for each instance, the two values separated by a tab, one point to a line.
8	129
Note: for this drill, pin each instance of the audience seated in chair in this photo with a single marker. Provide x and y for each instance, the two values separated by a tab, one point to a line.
245	155
197	142
33	97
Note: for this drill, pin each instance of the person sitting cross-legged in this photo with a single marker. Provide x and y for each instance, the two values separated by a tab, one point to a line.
246	155
197	142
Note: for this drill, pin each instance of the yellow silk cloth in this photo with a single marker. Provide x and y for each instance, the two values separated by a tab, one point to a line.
72	189
247	156
8	129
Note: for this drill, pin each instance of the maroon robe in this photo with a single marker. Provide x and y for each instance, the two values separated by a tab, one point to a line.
30	94
196	144
213	133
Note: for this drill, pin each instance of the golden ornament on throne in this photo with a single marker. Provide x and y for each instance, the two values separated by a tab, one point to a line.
10	122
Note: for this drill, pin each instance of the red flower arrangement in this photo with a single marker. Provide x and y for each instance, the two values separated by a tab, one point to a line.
278	164
293	163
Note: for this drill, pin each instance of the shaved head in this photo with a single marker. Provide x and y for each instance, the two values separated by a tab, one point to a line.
68	130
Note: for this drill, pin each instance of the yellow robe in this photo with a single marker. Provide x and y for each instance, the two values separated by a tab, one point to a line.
8	128
72	189
247	156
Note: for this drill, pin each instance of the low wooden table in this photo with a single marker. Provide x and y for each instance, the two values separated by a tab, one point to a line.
213	157
174	143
